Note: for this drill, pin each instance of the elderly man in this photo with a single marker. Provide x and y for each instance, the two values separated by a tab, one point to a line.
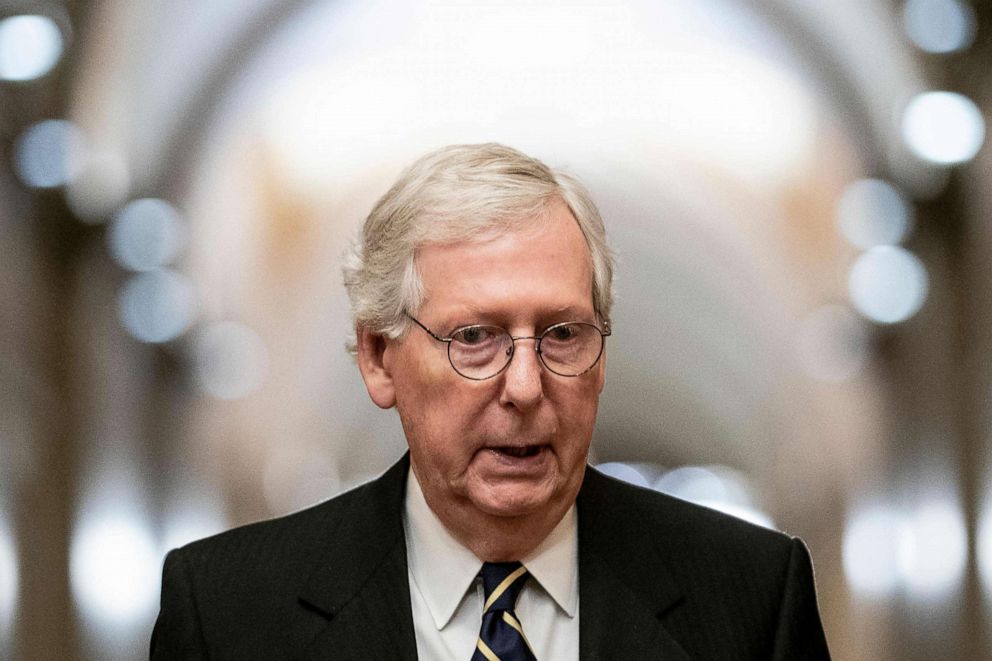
481	293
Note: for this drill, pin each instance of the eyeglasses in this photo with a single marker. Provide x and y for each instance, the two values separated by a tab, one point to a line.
571	348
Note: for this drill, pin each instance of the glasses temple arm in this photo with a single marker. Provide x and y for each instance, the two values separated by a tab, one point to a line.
426	329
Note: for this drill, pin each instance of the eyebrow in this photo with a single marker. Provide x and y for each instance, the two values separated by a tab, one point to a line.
471	315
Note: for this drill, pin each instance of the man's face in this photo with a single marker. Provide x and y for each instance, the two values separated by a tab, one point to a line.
459	430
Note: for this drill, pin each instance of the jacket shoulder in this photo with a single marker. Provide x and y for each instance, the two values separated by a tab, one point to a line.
730	588
237	575
634	512
240	593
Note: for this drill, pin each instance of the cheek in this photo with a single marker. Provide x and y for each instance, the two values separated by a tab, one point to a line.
439	417
421	385
578	412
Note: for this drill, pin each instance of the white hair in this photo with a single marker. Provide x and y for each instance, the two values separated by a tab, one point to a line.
459	193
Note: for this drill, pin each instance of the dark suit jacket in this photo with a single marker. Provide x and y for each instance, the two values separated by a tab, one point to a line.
659	578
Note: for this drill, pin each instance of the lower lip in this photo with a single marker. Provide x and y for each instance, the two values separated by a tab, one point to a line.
509	463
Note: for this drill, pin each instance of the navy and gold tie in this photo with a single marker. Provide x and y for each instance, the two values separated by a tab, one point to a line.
501	637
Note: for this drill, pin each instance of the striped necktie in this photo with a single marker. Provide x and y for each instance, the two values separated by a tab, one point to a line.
501	637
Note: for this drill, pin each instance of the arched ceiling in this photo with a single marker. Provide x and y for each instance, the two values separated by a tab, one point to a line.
154	71
153	84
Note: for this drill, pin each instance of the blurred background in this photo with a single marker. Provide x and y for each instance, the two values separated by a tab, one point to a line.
797	190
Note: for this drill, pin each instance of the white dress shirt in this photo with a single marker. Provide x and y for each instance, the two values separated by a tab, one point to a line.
447	595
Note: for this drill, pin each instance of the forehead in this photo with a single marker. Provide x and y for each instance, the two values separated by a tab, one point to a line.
540	267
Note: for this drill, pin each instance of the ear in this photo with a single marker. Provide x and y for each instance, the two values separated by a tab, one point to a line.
371	363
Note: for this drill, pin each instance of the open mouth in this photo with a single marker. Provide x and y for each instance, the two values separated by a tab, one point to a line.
518	451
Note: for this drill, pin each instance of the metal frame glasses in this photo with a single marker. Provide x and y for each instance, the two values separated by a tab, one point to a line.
570	348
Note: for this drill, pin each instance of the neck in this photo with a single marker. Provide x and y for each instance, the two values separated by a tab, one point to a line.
506	539
494	538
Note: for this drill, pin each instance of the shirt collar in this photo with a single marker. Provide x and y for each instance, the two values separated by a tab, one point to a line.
444	570
555	563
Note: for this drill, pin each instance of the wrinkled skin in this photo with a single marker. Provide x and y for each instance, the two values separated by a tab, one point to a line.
463	434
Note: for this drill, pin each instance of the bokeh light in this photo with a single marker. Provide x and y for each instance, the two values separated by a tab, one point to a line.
939	26
933	549
157	306
625	472
199	515
833	343
48	154
146	234
873	213
9	585
943	127
30	46
114	569
717	487
693	483
870	551
99	186
923	550
888	284
983	547
230	360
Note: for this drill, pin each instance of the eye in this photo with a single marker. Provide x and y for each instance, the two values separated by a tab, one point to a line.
563	333
473	335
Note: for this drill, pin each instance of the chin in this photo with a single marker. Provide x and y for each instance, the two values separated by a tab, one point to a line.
513	502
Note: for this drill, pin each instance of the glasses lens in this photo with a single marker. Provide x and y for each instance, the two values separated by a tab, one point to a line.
571	349
479	352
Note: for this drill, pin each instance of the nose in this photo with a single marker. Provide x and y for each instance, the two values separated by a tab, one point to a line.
522	382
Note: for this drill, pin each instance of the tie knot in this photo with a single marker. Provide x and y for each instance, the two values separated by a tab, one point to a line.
502	582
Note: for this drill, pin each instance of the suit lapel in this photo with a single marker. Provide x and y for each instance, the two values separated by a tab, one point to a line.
360	584
624	589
